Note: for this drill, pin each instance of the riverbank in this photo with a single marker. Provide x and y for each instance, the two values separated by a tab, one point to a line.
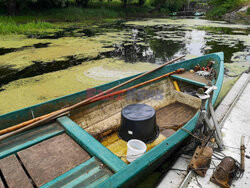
237	11
45	21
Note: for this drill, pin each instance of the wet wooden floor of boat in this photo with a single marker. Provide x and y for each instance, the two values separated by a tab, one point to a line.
174	115
1	183
13	173
43	162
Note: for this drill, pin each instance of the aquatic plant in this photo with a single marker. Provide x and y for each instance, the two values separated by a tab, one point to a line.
223	30
9	26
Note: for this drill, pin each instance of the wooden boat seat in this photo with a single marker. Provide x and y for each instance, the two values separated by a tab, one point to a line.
191	78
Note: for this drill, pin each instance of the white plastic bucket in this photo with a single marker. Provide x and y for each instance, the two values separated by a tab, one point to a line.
136	148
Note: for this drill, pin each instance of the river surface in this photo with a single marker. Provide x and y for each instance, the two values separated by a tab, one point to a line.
37	68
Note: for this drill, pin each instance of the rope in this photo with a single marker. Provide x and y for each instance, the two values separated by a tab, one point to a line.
187	131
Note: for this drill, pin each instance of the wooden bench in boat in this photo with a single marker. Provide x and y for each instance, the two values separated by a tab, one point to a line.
191	78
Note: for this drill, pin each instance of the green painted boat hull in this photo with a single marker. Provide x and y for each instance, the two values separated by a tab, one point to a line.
125	174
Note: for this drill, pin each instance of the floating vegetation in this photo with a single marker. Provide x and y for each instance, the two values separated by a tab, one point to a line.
9	50
39	67
29	91
225	30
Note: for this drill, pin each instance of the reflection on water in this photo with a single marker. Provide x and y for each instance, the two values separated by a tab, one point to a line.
196	42
157	44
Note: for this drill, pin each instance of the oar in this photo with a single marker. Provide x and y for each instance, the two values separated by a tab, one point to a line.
42	119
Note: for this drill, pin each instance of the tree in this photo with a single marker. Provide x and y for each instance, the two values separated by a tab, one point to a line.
125	3
82	3
172	5
141	2
11	4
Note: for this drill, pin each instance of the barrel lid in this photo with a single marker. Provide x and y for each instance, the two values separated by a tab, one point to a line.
138	112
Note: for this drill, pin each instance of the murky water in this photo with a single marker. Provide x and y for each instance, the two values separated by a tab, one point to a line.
36	68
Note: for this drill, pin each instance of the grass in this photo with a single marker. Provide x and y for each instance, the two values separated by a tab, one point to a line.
44	20
9	26
224	30
79	14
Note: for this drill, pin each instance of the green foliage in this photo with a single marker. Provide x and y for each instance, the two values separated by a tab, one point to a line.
221	7
166	5
79	14
248	11
9	26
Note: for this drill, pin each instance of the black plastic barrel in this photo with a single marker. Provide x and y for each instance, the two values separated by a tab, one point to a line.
138	121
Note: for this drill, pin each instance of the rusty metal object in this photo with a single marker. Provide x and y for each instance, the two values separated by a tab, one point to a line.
201	160
197	68
242	152
224	172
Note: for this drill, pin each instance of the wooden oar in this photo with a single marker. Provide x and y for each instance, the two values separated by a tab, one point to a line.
42	119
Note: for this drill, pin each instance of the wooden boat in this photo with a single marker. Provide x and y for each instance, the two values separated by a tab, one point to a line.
82	149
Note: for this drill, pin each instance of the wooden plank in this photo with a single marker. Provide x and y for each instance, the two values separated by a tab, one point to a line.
193	77
13	173
91	145
1	183
184	79
228	102
29	138
174	115
167	132
51	158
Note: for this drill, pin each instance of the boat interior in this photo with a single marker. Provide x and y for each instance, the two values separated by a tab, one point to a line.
173	110
72	149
